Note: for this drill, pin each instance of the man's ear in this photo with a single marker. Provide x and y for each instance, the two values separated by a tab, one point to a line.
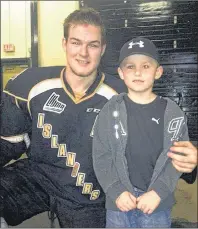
103	49
159	72
64	43
120	73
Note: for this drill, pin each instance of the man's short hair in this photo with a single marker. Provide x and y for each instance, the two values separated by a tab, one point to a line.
85	16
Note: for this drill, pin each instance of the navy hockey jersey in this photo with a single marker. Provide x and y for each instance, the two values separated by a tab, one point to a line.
40	104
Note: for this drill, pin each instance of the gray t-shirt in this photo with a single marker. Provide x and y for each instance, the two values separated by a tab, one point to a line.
145	139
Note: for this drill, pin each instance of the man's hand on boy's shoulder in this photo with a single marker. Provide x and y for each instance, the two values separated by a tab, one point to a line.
186	160
148	202
126	201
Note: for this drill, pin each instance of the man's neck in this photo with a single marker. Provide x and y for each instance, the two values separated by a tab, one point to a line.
77	83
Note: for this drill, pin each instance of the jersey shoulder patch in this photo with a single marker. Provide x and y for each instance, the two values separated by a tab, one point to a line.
21	84
115	83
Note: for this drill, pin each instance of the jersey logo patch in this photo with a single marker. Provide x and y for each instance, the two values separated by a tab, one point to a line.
53	105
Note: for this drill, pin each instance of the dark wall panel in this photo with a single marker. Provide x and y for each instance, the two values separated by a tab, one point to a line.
173	27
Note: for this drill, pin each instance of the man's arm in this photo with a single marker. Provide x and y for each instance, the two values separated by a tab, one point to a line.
15	125
9	151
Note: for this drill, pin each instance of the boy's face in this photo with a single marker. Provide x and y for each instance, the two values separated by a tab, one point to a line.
139	72
83	49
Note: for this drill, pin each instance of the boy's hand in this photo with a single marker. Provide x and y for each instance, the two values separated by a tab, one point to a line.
148	202
126	201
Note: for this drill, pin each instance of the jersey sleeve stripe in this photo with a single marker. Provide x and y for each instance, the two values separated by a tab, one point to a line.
18	139
14	139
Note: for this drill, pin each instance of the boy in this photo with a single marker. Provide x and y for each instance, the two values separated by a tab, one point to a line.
131	140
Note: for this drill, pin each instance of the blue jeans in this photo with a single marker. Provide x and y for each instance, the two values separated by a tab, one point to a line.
137	219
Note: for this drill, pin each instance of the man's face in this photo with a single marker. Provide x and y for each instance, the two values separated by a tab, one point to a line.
84	49
139	72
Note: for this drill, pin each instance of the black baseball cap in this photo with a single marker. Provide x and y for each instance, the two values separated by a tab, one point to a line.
139	45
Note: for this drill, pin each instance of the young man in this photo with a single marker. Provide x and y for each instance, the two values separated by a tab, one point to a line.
132	137
57	107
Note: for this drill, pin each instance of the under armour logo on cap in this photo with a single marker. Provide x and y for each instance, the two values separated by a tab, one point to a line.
139	45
